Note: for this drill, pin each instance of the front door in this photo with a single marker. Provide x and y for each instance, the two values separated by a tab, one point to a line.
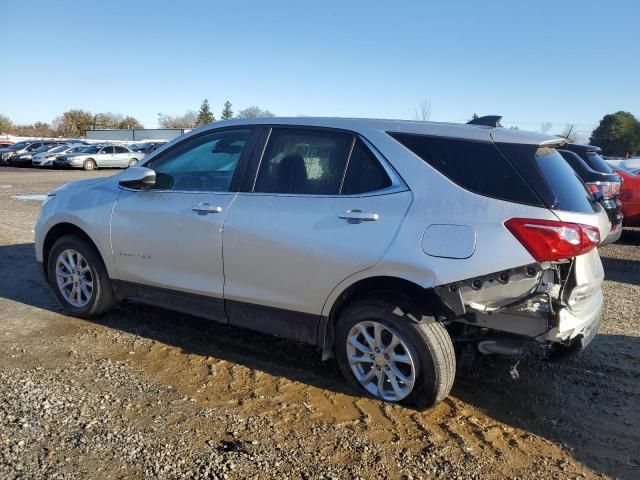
170	236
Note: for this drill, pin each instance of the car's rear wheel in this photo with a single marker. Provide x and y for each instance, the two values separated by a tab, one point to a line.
89	164
79	278
393	357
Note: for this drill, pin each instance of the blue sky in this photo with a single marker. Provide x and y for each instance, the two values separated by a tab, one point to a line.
531	61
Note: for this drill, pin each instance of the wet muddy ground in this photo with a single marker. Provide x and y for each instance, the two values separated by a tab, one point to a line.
148	392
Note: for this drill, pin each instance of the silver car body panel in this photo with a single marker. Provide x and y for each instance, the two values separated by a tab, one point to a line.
294	252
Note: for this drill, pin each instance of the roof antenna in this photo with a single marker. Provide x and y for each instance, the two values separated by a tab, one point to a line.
487	120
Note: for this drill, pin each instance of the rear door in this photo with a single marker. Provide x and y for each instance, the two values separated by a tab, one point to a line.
320	207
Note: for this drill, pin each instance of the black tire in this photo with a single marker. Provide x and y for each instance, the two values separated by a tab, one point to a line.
89	164
427	340
102	298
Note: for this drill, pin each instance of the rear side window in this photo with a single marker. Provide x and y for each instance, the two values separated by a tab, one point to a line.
120	149
551	176
364	173
597	163
476	166
303	161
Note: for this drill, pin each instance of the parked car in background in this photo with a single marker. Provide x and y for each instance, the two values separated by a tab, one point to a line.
629	164
384	236
47	159
6	143
630	196
100	156
601	181
6	154
146	147
24	159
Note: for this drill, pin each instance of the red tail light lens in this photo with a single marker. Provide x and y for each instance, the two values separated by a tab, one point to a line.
607	189
548	240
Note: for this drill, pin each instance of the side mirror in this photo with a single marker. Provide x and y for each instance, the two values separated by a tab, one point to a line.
137	178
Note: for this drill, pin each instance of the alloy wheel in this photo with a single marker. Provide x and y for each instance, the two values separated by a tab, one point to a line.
74	278
380	360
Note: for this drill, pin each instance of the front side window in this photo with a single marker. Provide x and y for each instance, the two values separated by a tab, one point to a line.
107	150
303	161
205	163
121	150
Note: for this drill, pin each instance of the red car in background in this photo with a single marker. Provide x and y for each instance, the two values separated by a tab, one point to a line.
5	143
630	197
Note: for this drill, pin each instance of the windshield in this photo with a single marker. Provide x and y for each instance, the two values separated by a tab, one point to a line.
59	149
20	145
43	148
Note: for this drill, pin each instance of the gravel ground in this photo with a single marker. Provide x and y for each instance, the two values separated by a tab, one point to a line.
144	392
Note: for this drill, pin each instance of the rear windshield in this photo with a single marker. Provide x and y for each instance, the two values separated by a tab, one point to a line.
476	166
597	163
551	177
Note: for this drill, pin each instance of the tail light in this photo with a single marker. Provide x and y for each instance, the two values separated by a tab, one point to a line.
607	189
548	240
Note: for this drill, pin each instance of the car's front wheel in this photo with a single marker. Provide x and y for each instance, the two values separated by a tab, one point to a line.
133	161
392	356
79	278
89	164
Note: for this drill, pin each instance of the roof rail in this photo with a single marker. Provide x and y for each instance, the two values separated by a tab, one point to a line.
488	120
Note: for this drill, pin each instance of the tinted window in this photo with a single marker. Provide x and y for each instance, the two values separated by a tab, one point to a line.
34	146
121	150
596	162
206	163
107	150
551	176
303	161
364	173
475	166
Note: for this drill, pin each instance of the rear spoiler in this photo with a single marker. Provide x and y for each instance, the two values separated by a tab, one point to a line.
487	120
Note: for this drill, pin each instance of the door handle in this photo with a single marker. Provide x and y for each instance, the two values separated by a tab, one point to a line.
204	208
359	215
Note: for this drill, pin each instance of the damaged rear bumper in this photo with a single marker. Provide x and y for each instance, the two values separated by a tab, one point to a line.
554	306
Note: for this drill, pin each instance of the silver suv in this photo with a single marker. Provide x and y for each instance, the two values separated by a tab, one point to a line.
393	245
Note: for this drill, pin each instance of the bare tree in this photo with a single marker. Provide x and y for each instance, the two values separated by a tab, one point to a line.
545	126
569	133
188	120
254	112
423	112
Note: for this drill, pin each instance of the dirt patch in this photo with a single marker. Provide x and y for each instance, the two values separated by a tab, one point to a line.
147	392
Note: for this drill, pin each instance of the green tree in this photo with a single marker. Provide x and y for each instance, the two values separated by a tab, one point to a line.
618	134
204	115
474	117
6	125
73	123
227	113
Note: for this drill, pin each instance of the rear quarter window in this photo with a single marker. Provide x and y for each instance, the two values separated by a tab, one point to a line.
551	177
474	165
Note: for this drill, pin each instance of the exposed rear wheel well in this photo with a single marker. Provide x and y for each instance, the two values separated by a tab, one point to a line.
421	301
60	230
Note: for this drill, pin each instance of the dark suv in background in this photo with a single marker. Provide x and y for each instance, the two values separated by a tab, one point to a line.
601	181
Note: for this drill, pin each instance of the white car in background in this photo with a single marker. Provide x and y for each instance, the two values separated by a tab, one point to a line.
100	156
47	159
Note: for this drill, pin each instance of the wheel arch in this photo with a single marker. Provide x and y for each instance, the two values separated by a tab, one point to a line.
421	300
60	230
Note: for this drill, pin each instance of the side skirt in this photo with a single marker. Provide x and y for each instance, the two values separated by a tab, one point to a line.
289	324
